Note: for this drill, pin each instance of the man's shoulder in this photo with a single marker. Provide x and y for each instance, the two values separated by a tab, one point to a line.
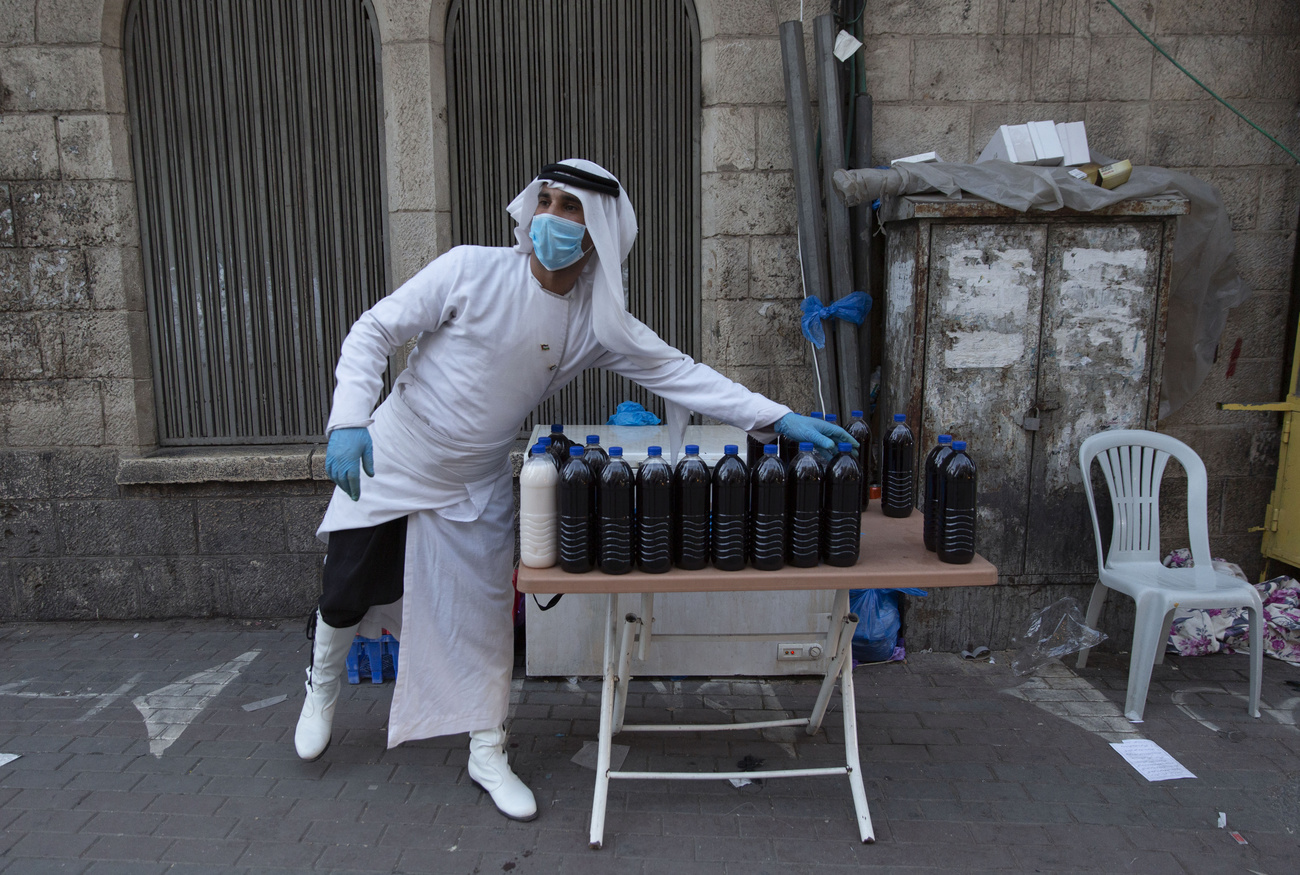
467	253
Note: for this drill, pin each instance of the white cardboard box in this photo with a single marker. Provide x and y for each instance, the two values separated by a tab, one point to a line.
1074	143
1010	143
1047	146
922	158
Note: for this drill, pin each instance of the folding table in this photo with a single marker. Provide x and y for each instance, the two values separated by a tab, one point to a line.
893	555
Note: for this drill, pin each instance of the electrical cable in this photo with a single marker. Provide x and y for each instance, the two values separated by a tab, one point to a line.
1207	89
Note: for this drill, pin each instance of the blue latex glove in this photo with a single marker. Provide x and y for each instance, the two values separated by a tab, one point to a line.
349	449
823	435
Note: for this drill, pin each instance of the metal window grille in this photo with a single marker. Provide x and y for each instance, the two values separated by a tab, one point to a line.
258	155
535	81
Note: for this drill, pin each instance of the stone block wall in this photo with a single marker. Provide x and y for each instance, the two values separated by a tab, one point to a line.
86	531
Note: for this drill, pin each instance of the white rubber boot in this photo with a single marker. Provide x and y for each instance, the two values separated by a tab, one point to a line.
324	679
489	769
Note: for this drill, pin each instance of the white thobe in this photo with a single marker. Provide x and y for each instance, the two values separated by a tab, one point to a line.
492	345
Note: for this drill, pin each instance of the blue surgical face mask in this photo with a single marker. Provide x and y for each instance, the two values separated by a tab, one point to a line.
557	241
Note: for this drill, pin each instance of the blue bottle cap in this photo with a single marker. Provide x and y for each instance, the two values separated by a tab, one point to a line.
857	413
805	446
654	451
770	449
730	449
556	427
537	448
692	449
816	414
615	452
545	440
831	417
945	439
593	439
959	445
845	447
575	451
900	417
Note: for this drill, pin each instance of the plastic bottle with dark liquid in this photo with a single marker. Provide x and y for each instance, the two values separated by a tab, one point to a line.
616	496
767	511
730	503
833	420
560	444
861	433
595	455
577	555
803	494
841	511
754	451
897	492
545	443
955	531
691	511
654	500
934	461
597	459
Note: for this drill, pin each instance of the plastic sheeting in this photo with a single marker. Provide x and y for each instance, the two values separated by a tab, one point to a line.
1204	285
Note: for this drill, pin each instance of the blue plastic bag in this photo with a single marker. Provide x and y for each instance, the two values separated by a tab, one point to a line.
878	622
631	413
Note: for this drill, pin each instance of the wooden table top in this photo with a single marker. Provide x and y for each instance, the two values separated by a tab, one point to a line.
893	555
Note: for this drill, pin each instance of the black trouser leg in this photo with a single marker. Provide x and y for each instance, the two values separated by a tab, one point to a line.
363	568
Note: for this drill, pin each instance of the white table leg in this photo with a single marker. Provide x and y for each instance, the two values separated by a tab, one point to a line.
631	623
851	753
647	624
842	662
606	734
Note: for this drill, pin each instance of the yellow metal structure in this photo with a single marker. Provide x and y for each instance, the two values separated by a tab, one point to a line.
1282	516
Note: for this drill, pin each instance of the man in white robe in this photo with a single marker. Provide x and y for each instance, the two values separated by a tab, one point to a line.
423	545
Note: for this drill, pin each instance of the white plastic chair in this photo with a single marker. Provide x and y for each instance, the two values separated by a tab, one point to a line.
1133	463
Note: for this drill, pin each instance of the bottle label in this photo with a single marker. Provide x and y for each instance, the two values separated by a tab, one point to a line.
769	537
728	539
654	541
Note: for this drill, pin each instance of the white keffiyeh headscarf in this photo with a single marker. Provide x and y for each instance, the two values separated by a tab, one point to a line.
611	221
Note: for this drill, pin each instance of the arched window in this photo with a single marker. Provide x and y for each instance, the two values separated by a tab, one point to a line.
612	81
256	137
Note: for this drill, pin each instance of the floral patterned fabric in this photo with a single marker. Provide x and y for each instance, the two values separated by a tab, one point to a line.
1198	632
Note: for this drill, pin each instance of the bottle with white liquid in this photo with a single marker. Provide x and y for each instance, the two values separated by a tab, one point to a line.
537	509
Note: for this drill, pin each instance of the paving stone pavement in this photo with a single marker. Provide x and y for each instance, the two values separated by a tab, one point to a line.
968	769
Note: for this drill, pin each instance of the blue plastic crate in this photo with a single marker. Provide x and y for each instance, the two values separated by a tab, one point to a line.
376	658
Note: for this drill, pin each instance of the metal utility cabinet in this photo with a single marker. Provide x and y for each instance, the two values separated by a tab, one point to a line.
1022	333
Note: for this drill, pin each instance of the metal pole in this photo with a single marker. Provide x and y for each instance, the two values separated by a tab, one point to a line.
864	259
838	233
812	235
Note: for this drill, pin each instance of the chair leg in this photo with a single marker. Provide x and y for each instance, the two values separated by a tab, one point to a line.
1094	611
1147	635
1256	657
1164	640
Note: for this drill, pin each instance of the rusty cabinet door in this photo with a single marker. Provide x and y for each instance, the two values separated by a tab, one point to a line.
984	302
1100	343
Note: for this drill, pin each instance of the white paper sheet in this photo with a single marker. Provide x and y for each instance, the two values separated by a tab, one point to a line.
591	750
1151	760
7	758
